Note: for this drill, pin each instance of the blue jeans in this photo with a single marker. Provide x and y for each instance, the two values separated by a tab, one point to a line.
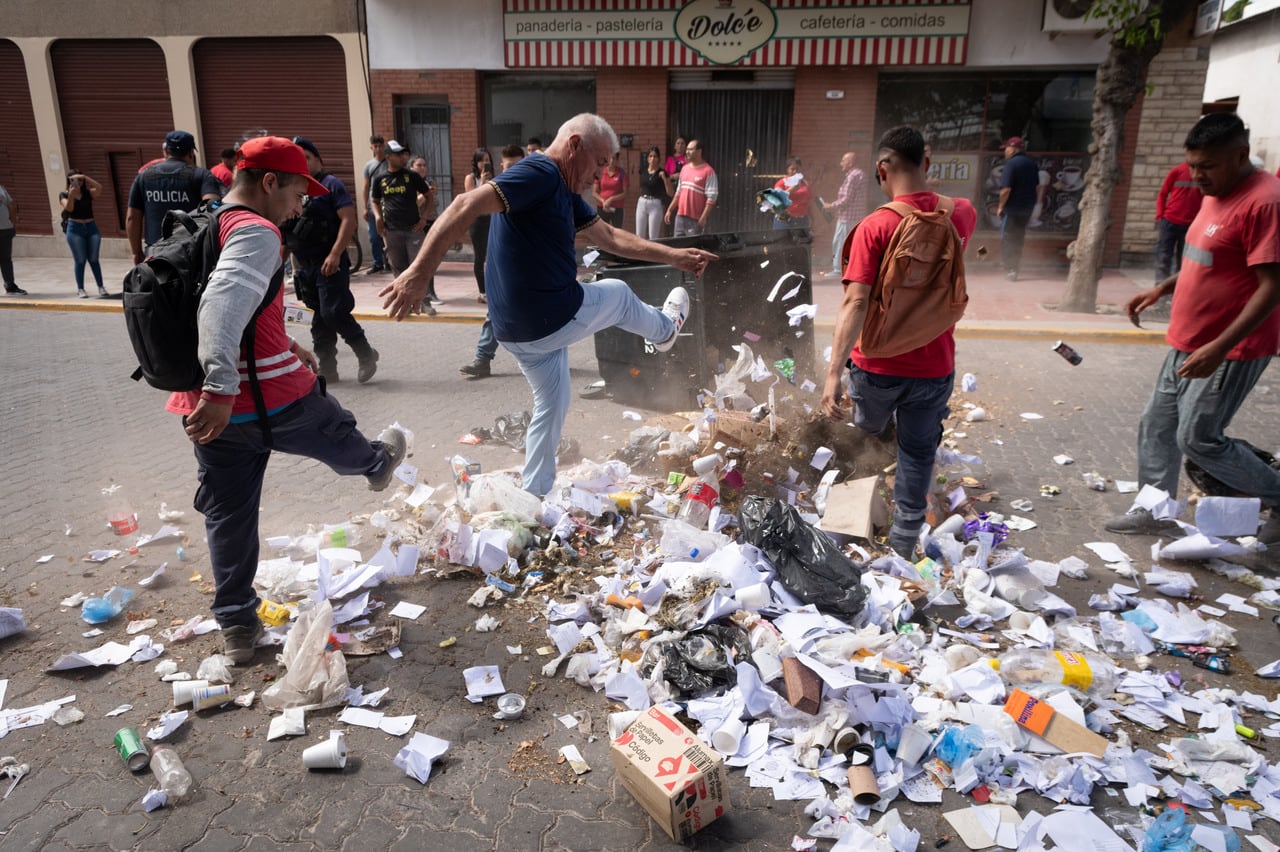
545	364
1188	417
1170	239
487	345
85	240
230	472
918	406
686	226
375	241
837	244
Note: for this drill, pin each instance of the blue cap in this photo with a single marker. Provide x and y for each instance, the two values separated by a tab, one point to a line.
179	142
307	145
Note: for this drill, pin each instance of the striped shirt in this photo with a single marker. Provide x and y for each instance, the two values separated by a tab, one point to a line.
851	201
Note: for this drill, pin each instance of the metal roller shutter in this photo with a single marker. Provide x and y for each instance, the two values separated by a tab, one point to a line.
113	95
20	170
287	86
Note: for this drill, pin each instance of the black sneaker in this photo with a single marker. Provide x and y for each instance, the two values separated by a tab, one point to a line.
477	369
15	291
240	641
375	269
393	441
368	365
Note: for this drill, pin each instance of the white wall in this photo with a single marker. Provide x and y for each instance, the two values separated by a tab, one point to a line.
1244	62
468	34
435	34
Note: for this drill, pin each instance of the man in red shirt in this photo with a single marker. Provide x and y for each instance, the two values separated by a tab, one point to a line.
911	389
1176	207
1223	332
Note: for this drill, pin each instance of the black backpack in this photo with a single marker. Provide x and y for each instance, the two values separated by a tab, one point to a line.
162	295
311	235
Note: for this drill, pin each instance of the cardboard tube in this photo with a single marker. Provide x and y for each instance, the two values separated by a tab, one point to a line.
728	738
185	690
863	785
210	696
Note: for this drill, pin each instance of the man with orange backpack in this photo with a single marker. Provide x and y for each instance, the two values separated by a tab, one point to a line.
904	292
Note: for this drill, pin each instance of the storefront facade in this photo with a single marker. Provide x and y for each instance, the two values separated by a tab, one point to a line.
757	81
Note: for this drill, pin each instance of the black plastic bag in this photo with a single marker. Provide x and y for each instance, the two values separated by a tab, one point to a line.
703	660
807	561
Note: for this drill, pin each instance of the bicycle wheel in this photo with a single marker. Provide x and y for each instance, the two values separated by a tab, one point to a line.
355	254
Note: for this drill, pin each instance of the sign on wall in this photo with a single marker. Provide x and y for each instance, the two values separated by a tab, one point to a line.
667	33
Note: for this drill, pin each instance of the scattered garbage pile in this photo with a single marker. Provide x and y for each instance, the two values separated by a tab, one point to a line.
723	582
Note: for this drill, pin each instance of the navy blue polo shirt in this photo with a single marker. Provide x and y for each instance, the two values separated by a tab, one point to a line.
171	184
1021	176
327	207
531	281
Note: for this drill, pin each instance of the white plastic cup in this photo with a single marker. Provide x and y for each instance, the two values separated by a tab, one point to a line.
330	754
707	464
728	738
913	743
952	526
510	706
185	690
845	740
753	596
205	697
1020	620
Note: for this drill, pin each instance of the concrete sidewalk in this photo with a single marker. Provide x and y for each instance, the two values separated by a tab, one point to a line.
997	306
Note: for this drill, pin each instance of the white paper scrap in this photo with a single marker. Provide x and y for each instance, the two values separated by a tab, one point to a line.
167	724
419	754
411	611
482	681
119	711
291	722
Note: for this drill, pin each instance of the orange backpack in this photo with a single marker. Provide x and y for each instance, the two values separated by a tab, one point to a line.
919	291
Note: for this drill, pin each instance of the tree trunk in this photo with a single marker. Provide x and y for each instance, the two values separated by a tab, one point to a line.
1121	78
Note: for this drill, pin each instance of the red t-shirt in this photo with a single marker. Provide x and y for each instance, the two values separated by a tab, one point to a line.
800	194
1179	198
610	186
223	174
1229	236
937	358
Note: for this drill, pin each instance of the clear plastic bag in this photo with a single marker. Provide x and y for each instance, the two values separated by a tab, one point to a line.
216	669
316	675
498	493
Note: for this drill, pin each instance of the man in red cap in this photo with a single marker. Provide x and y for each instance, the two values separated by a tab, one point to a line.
222	420
1018	184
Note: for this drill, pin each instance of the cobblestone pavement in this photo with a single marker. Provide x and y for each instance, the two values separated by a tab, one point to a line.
71	421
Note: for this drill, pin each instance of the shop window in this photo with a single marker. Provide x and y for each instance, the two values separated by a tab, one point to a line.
520	106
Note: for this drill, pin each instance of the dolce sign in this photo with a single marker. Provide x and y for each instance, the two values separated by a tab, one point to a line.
584	33
725	31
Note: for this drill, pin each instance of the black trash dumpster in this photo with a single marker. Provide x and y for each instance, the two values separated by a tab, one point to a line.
728	306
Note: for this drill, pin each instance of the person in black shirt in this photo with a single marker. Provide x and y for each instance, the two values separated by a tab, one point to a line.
1018	183
174	183
82	231
655	189
401	222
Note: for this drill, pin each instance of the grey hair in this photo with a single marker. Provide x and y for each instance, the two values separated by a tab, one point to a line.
590	127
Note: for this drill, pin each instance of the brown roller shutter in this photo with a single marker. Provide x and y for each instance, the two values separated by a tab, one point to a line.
21	172
113	96
287	86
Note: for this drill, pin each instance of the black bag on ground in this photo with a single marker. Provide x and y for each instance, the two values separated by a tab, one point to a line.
808	563
162	295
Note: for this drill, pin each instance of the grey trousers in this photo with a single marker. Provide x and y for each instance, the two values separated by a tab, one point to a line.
1189	417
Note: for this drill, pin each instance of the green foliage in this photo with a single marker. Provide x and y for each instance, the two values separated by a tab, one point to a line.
1234	12
1132	23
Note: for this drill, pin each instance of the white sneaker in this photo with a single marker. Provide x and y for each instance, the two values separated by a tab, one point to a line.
677	307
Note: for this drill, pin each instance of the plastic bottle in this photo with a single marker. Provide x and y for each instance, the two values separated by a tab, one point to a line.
120	515
107	607
172	776
1090	674
695	509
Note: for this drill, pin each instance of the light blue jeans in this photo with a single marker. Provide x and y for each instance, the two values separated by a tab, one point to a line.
1189	417
85	240
837	244
545	363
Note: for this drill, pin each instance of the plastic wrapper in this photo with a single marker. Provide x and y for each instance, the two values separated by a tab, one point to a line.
643	446
807	562
956	744
216	669
703	660
1169	833
499	493
316	675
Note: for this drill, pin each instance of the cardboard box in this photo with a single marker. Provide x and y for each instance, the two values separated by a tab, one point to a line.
855	508
1040	718
678	780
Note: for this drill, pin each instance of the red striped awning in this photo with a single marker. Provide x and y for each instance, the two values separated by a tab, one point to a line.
603	33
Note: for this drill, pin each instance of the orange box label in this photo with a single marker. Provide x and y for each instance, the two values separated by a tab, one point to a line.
1031	713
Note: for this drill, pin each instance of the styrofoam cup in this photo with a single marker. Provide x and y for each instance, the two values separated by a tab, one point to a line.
913	744
185	690
330	754
728	737
1020	620
753	596
707	464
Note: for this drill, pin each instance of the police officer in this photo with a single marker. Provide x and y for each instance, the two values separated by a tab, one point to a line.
322	271
174	183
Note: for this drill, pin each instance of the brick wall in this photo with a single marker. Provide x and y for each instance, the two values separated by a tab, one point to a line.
1172	105
460	89
822	130
634	100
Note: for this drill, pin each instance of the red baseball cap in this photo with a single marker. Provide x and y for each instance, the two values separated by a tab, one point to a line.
1014	142
278	154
